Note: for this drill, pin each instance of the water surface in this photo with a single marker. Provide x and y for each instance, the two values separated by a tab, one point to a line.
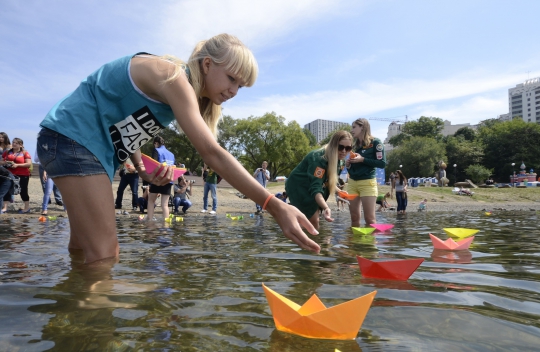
196	286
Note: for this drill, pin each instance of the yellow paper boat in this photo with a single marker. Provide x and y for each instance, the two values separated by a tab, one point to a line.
362	230
173	218
314	320
488	213
460	232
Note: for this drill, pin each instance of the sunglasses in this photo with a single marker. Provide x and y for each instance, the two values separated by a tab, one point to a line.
347	148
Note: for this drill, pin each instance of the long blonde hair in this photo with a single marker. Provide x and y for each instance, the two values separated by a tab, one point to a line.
366	138
331	156
225	50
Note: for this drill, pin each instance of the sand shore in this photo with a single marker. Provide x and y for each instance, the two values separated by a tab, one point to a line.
229	201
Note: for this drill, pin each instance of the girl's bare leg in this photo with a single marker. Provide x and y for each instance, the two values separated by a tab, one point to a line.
165	205
150	208
355	210
368	203
90	206
314	220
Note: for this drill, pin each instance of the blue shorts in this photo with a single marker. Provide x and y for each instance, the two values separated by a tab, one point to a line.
62	156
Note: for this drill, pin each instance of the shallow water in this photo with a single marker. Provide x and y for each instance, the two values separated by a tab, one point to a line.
196	286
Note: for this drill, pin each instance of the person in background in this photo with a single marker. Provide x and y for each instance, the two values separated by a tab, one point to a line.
142	202
5	143
6	182
392	179
401	192
368	155
382	202
282	196
18	161
162	155
262	175
46	183
339	200
313	180
182	190
210	185
128	176
423	205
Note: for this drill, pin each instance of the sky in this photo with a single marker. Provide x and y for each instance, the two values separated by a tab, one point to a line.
318	59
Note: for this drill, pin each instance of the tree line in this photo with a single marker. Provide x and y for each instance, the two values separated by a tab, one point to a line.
487	151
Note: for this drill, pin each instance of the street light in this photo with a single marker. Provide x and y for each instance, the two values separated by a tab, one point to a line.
513	175
455	177
400	166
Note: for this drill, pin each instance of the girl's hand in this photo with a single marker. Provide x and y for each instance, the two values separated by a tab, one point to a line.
357	159
291	221
327	213
160	177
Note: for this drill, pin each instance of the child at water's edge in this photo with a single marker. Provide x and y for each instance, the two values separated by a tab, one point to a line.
423	205
86	136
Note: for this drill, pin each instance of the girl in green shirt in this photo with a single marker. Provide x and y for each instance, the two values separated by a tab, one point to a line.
315	178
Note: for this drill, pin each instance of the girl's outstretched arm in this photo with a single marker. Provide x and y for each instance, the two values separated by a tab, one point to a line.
179	95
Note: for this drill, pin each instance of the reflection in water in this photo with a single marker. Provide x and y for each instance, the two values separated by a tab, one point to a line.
196	285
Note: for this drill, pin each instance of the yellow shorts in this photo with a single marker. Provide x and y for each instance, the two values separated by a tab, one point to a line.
363	188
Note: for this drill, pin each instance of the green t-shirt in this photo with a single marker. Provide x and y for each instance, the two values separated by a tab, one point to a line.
211	177
375	157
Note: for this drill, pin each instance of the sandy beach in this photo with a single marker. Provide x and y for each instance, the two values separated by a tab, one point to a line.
230	200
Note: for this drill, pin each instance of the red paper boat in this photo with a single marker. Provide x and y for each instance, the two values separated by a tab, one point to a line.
400	269
382	227
151	164
450	244
346	195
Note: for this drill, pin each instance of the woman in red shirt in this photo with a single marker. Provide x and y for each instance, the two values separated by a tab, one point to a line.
18	161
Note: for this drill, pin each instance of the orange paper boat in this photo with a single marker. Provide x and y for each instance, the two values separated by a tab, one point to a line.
151	164
450	244
345	195
460	232
382	227
400	269
314	320
362	230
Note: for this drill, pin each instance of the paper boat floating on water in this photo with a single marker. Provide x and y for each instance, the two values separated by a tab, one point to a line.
239	217
345	195
450	244
173	218
400	269
382	227
460	232
42	219
151	164
362	230
488	213
314	320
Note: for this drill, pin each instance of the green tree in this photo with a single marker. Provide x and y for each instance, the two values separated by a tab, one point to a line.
418	157
269	138
398	139
478	173
310	136
424	127
510	142
467	133
463	153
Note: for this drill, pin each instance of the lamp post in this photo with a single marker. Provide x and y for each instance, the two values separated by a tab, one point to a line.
400	166
513	175
455	177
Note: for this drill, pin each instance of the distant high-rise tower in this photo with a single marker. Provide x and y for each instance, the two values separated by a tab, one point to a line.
321	128
524	100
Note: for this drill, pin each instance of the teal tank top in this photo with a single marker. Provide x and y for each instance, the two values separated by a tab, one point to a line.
108	115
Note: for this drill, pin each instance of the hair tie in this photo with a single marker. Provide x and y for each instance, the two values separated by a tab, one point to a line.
267	200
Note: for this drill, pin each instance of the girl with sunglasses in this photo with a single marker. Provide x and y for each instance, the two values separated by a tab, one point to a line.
369	154
316	177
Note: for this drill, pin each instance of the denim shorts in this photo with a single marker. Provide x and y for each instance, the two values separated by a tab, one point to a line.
62	156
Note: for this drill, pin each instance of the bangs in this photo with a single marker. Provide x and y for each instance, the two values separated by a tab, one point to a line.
240	61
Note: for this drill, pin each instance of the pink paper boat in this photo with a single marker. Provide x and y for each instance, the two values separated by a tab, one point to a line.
400	269
450	244
382	227
151	164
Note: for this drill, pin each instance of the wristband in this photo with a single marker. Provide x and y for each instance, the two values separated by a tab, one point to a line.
266	201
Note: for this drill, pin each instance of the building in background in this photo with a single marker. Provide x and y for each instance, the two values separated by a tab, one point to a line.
321	128
524	101
448	129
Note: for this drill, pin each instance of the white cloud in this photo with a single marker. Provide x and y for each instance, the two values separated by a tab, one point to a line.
257	23
374	97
